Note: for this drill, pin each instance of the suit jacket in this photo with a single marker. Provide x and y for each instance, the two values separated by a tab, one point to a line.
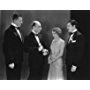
31	46
12	46
74	50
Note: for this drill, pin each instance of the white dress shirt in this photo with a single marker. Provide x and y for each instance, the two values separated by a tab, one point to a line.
71	37
38	41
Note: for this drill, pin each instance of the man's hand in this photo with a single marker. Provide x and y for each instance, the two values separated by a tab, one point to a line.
11	65
40	48
73	68
45	52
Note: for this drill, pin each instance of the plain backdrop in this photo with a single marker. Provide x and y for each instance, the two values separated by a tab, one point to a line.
48	19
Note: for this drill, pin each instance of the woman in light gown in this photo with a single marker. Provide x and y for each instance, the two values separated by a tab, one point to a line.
55	58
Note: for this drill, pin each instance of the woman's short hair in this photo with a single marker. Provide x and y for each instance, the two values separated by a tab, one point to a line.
57	30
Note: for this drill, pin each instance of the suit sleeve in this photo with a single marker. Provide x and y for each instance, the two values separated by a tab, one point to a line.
8	46
29	44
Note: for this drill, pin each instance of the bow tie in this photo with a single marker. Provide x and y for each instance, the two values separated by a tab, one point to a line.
71	33
17	28
36	34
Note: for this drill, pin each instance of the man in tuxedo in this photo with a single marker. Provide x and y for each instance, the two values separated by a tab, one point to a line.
74	51
13	49
34	47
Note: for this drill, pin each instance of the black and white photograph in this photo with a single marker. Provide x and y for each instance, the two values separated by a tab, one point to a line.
44	45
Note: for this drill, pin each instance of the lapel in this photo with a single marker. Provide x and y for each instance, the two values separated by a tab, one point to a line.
33	36
15	32
22	37
35	40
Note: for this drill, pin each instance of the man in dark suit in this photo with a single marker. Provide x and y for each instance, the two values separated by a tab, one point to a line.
74	51
13	49
34	47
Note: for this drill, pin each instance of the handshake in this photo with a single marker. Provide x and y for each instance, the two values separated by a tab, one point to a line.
44	51
11	65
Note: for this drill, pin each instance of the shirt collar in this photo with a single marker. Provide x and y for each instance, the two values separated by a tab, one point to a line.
14	24
34	32
74	30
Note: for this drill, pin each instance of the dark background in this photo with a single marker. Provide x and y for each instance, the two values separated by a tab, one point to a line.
48	18
83	17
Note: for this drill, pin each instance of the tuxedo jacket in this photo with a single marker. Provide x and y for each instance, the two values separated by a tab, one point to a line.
31	46
74	50
12	46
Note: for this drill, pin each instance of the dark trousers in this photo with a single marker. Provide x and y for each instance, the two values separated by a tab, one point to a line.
35	74
45	69
73	75
36	66
13	74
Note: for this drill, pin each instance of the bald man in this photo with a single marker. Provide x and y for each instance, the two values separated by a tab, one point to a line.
36	52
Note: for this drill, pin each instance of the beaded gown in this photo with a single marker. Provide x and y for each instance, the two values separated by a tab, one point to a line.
56	67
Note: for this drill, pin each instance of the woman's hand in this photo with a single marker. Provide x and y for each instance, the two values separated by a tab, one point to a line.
49	60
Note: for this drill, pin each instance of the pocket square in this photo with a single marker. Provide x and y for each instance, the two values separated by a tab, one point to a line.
73	41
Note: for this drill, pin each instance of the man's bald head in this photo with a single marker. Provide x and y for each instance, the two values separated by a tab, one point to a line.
36	23
36	26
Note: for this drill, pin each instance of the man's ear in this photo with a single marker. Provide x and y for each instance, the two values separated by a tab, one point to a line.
14	21
34	28
74	26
